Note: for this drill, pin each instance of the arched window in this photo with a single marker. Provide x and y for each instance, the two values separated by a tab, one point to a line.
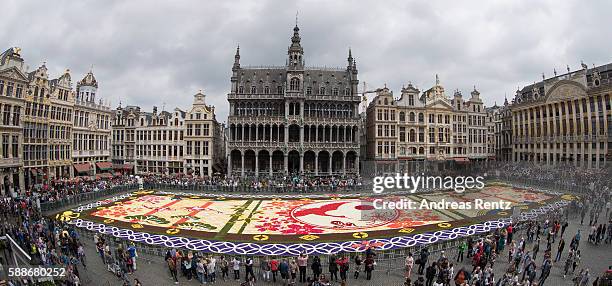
294	84
412	136
421	117
402	116
241	89
267	89
322	90
253	89
411	117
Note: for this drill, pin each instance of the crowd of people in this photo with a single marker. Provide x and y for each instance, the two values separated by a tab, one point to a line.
48	242
291	182
531	248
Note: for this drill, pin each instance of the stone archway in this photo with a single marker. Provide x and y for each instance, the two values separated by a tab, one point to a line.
293	162
324	160
309	161
249	161
236	161
337	158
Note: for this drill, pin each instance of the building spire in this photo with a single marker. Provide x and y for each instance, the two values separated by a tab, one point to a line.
437	80
237	58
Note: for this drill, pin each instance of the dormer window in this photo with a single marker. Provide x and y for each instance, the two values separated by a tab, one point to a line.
267	89
253	89
309	90
335	91
322	90
241	89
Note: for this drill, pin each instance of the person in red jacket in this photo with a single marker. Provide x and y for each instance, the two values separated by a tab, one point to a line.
274	268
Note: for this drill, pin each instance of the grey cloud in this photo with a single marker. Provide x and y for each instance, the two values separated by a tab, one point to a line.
150	52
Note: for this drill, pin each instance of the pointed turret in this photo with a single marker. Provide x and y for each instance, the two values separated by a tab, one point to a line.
295	52
350	58
237	59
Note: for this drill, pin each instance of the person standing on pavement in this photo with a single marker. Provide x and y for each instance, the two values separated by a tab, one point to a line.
133	254
408	265
302	262
546	266
461	250
172	267
248	267
333	268
560	249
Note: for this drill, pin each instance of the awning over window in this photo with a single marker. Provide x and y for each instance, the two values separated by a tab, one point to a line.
105	166
104	175
462	160
125	167
82	167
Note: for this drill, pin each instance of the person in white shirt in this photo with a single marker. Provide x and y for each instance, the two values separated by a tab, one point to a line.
236	268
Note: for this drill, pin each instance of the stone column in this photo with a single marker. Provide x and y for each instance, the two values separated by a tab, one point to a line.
286	133
229	166
357	164
343	164
256	164
316	164
330	164
302	134
270	161
242	162
301	163
286	165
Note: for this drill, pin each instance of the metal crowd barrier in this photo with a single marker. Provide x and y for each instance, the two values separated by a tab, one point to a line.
83	197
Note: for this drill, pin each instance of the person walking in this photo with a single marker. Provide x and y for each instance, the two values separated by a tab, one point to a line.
265	270
545	271
283	268
560	249
409	263
333	268
369	266
358	262
236	268
274	268
461	250
316	268
224	268
430	274
172	267
422	261
293	268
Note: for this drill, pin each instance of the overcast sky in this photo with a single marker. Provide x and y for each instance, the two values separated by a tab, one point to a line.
153	52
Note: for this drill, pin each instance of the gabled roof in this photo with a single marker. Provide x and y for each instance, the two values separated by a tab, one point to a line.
88	80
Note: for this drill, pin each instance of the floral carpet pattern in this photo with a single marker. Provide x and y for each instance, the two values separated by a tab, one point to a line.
292	224
276	219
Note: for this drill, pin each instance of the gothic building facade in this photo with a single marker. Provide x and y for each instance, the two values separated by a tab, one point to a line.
293	118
